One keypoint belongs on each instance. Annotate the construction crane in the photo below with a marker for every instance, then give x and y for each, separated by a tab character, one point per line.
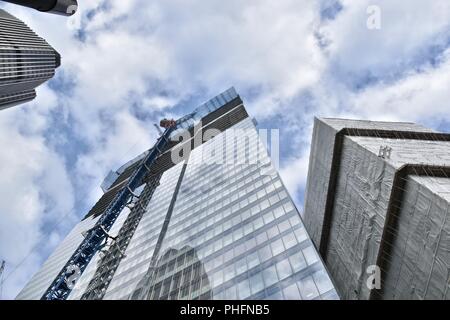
95	238
61	7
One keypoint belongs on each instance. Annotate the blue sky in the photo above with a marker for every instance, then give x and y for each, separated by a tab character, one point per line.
126	64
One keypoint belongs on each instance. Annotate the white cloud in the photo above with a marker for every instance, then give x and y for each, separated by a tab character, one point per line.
294	175
34	186
420	95
407	30
127	139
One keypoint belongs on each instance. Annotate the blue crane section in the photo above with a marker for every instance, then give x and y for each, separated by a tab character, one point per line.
96	237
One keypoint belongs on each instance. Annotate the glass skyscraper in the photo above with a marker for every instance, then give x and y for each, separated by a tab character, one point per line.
219	224
26	61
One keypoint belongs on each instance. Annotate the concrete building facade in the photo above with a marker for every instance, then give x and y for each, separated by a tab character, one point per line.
377	207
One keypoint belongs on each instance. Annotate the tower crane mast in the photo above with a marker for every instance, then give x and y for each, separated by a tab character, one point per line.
62	285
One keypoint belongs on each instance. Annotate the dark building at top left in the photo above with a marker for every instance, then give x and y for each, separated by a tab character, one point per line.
26	60
61	7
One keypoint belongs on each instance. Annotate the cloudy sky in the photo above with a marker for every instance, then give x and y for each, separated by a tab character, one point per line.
128	63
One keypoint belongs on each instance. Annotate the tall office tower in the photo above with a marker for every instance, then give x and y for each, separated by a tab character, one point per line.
216	223
26	61
377	207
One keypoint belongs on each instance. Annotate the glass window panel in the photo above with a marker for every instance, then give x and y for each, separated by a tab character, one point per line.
156	292
165	287
283	226
288	207
246	214
277	247
330	295
310	255
294	220
243	289
308	288
228	239
273	199
301	235
217	245
275	296
289	240
270	276
282	194
250	244
252	260
230	293
187	275
284	269
209	266
268	217
241	266
258	223
261	193
256	283
264	204
218	278
298	262
291	292
238	250
272	232
237	234
322	281
228	255
278	212
219	296
228	273
261	238
265	253
248	228
218	261
255	210
243	203
195	289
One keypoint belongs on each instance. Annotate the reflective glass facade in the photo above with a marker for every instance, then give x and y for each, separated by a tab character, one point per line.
234	232
42	279
139	253
219	225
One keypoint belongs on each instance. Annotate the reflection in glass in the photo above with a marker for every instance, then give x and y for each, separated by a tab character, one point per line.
178	274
